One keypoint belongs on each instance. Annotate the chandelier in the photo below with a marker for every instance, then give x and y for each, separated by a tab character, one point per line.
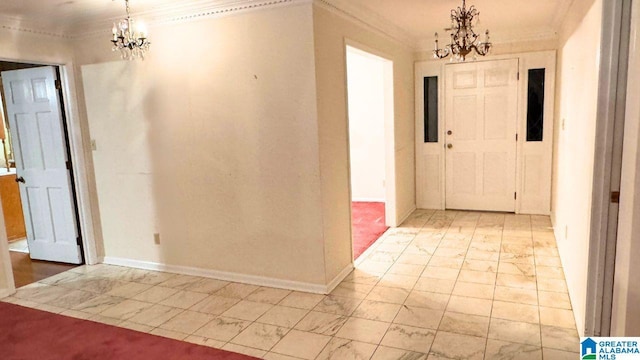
463	39
131	43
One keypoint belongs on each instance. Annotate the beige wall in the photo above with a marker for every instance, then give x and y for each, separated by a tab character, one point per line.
626	294
331	30
574	142
213	145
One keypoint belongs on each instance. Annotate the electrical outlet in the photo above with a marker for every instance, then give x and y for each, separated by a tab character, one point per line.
156	238
94	147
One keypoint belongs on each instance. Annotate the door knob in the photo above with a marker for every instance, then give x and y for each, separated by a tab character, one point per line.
449	146
20	179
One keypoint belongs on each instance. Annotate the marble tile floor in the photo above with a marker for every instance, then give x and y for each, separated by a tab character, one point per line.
444	285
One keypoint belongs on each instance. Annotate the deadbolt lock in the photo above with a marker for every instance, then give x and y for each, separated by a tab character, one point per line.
449	132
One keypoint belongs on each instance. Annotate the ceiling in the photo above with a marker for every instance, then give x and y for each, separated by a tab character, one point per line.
507	20
413	21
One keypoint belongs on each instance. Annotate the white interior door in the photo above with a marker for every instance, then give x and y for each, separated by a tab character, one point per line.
35	119
481	117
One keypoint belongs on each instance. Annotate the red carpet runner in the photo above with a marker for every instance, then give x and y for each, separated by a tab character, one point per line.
368	224
27	334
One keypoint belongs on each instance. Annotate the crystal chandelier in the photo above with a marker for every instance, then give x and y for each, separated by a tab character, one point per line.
463	39
131	43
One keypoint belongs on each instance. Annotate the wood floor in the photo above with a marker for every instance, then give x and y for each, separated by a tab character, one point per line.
27	271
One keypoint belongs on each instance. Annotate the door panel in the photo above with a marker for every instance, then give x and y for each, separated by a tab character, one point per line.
481	113
34	114
464	122
495	117
464	168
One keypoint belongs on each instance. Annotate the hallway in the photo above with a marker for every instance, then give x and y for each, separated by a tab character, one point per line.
444	285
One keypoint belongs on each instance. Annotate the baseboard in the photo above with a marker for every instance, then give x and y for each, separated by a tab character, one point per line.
6	293
338	279
406	216
368	200
227	276
556	232
552	216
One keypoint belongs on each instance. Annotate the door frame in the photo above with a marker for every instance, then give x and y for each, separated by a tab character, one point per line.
626	306
82	170
391	218
430	188
611	141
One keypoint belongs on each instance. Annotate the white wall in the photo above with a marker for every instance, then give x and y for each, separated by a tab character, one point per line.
574	141
365	75
213	145
626	294
331	31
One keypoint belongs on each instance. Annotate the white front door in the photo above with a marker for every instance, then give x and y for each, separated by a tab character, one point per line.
39	144
480	133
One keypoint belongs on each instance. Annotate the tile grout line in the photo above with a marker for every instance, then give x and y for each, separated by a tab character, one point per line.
409	291
486	344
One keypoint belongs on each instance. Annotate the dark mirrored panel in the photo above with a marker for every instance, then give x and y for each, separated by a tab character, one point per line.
431	109
535	105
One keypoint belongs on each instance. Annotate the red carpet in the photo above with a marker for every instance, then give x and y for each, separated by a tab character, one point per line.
27	334
368	224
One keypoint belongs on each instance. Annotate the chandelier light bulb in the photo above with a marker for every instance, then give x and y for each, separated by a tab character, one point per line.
130	41
142	29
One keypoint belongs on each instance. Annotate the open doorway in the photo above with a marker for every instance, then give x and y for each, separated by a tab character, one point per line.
370	103
36	187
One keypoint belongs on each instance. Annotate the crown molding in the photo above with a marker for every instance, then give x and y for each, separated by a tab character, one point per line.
185	11
370	20
30	27
204	9
193	10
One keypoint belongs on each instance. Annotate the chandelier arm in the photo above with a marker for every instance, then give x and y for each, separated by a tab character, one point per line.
483	49
441	53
